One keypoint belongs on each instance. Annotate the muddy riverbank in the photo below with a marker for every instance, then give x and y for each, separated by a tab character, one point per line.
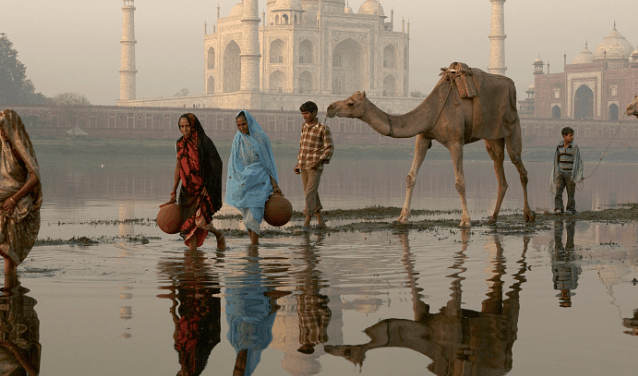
370	219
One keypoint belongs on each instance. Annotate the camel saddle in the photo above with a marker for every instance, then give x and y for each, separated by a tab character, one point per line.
463	79
494	113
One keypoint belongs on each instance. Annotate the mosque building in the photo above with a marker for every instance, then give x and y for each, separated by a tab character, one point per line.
320	50
596	85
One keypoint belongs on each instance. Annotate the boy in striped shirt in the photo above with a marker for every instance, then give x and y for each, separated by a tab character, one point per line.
567	171
315	150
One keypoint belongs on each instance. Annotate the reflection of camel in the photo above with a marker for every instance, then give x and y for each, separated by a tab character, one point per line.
20	348
632	108
459	341
196	310
453	122
631	323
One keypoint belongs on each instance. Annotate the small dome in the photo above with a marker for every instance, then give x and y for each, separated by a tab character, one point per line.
531	87
538	61
348	9
238	10
371	7
585	57
616	46
287	5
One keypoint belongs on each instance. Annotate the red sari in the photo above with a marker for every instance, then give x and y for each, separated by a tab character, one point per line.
195	202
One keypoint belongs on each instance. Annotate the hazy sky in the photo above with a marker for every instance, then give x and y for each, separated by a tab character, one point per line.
74	45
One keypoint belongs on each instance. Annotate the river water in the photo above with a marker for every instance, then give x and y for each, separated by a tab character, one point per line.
402	302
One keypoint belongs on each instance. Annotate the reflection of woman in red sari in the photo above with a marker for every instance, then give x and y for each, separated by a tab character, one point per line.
199	168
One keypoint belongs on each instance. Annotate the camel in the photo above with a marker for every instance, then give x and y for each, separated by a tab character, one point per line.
452	121
632	108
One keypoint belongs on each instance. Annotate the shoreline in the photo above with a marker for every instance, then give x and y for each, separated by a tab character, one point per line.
372	219
125	148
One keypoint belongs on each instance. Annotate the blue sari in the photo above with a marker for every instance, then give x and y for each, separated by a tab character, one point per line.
250	166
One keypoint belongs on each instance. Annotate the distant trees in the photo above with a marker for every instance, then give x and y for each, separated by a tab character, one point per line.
66	103
182	93
14	85
70	99
417	94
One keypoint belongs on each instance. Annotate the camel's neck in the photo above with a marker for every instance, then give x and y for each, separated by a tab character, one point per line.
408	125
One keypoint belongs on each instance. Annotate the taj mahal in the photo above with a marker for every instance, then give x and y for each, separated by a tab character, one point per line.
299	50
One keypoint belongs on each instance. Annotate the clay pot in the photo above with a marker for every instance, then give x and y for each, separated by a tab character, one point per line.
278	210
168	218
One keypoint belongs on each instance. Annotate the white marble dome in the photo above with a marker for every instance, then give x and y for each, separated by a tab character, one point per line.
238	10
616	46
585	57
371	7
531	87
287	5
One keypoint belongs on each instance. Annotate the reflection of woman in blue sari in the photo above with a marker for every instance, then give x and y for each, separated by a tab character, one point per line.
250	311
252	173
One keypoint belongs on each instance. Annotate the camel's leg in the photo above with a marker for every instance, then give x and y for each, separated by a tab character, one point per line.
496	150
456	151
514	144
421	146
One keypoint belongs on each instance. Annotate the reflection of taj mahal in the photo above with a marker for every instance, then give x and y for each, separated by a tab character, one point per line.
596	85
298	50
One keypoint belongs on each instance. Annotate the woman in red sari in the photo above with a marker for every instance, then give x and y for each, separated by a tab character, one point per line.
199	168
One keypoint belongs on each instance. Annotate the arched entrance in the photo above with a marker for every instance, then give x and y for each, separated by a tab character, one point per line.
613	112
232	68
348	66
584	103
389	86
210	85
277	82
305	82
555	112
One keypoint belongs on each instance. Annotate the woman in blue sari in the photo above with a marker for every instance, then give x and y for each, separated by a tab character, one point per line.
252	173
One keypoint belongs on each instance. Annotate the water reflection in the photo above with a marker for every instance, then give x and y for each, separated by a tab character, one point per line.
632	324
312	306
459	341
565	267
196	309
20	348
251	309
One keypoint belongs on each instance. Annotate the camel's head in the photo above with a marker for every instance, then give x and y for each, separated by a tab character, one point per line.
352	107
355	354
632	109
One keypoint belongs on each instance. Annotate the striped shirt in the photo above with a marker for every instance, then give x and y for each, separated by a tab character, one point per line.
566	158
315	145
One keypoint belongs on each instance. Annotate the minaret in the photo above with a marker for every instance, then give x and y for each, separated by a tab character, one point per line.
497	39
127	70
250	56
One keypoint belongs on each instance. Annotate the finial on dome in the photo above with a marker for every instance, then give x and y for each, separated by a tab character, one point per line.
614	24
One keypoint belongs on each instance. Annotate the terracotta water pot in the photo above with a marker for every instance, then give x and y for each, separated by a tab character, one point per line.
168	218
278	210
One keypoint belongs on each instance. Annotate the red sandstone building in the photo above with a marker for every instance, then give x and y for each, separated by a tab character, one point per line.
595	86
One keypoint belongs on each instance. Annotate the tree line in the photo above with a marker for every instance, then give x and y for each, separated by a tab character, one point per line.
16	88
